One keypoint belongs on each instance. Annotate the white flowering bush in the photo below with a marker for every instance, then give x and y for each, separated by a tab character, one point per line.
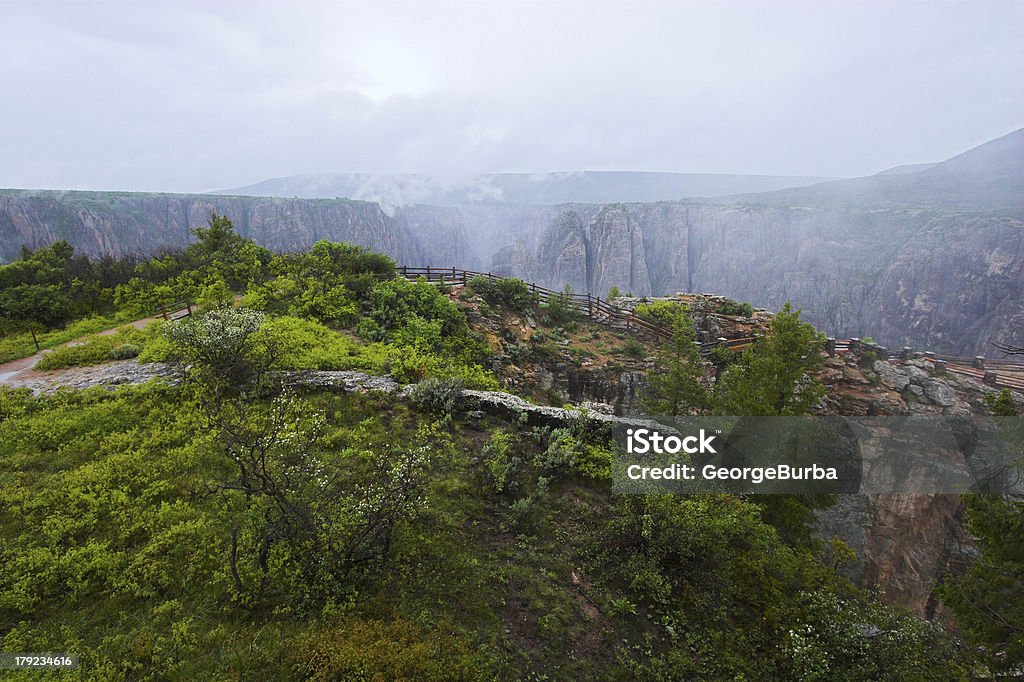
223	344
302	516
845	639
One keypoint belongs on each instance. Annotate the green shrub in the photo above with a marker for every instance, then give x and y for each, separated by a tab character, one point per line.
722	357
92	350
307	344
410	365
594	461
395	650
21	345
560	455
501	460
1001	404
560	309
125	351
394	302
664	313
513	293
521	512
155	346
438	395
841	639
731	307
633	348
214	293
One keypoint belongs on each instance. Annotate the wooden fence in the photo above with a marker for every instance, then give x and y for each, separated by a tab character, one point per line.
1000	373
175	310
593	307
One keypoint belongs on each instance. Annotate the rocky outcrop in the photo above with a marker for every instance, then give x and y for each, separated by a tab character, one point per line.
512	260
108	375
905	544
441	235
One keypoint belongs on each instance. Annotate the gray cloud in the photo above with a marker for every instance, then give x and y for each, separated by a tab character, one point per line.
195	96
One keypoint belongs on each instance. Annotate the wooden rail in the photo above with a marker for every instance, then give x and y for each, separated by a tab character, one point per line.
176	310
594	307
1010	374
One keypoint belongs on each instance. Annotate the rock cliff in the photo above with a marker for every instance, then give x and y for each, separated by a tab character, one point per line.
134	223
933	258
951	282
905	544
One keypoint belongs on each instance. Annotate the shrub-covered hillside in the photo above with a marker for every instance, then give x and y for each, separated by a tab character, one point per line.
235	524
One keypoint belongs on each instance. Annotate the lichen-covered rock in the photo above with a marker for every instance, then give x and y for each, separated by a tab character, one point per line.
110	375
939	392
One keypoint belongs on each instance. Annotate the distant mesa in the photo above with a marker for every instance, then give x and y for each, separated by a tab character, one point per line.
906	169
592	187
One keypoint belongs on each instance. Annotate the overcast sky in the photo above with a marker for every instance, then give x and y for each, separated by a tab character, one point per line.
183	96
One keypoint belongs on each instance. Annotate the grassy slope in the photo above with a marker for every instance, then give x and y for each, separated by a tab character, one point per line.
88	468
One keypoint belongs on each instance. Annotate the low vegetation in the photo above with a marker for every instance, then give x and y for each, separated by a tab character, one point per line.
231	527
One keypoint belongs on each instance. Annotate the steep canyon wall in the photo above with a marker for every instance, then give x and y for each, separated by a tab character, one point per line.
938	279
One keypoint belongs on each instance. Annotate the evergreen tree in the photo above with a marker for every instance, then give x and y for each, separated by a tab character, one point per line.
773	377
676	386
989	598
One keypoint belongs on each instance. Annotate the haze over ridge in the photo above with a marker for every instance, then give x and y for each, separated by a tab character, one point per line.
191	96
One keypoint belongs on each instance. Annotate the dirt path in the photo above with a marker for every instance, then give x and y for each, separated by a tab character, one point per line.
20	373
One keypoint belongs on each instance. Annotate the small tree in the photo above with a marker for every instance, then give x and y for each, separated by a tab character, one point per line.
221	346
220	251
1001	404
773	376
677	386
300	517
32	307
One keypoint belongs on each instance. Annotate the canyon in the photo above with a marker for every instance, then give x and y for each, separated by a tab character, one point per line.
931	258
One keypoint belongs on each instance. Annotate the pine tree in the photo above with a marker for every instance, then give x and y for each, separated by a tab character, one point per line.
677	387
773	377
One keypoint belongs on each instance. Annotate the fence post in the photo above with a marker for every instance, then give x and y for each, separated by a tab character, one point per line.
830	346
979	362
188	304
990	379
940	367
